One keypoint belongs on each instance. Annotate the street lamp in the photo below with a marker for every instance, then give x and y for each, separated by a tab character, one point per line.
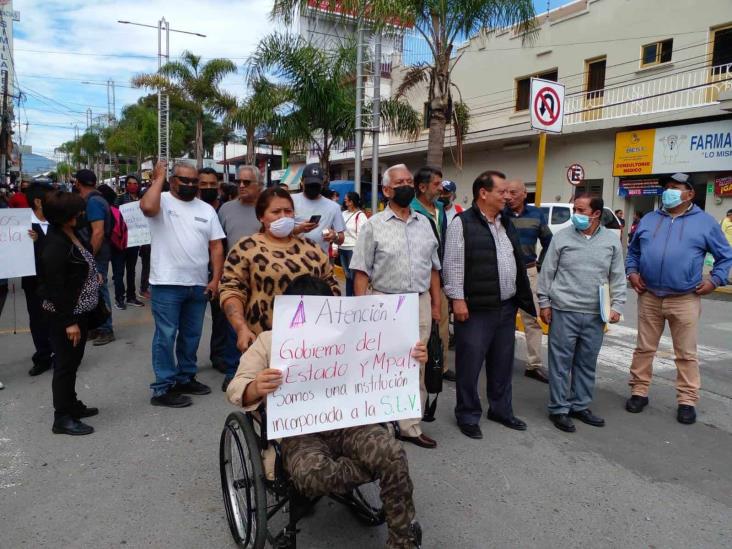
163	98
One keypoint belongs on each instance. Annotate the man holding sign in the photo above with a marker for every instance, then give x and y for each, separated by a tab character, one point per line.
345	447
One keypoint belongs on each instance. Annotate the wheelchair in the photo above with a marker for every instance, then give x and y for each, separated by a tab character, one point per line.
252	500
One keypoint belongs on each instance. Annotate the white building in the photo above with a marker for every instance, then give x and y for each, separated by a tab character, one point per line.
653	75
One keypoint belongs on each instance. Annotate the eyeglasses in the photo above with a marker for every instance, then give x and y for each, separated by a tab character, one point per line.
187	180
244	182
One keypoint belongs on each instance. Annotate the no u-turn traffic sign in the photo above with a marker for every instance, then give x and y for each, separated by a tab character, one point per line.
547	105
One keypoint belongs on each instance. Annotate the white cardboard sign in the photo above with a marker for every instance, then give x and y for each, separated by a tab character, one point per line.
138	231
16	247
346	361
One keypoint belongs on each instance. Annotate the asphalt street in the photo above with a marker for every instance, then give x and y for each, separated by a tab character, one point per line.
149	477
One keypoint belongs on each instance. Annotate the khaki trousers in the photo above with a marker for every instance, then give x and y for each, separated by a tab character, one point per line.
444	328
532	330
410	427
682	313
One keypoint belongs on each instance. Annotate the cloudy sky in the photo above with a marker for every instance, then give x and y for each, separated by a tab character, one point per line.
61	43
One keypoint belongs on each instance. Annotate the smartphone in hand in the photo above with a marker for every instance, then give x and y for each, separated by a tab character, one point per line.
314	219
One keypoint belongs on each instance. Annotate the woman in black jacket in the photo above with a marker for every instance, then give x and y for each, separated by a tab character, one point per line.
69	289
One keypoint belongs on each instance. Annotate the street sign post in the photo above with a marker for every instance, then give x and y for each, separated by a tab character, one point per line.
547	105
575	174
547	113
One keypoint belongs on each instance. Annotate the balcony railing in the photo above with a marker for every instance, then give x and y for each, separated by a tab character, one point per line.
670	92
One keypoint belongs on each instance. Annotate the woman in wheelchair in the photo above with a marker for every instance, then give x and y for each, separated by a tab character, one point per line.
334	462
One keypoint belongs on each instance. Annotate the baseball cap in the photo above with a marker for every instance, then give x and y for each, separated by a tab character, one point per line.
449	186
312	173
86	177
682	178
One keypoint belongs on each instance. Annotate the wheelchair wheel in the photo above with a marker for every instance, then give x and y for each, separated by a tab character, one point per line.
365	503
242	482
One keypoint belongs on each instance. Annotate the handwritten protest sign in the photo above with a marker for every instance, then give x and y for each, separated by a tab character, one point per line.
16	247
138	231
345	362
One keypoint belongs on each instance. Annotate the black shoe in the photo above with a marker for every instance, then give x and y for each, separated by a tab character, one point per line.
686	414
219	367
586	416
92	335
67	425
449	375
119	304
171	400
471	430
40	367
562	422
83	411
512	423
636	403
193	387
415	534
225	384
134	302
103	338
539	374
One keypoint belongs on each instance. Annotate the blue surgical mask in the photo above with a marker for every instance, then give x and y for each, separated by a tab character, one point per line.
580	221
671	198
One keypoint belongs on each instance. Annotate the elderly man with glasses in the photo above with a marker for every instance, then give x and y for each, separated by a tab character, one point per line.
237	217
397	253
186	234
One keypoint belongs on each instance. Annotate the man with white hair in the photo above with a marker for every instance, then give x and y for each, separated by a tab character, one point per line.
397	253
237	217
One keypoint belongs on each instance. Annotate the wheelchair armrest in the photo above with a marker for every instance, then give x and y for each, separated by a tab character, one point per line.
261	418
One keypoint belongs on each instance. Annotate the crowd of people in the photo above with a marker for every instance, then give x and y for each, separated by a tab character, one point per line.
481	266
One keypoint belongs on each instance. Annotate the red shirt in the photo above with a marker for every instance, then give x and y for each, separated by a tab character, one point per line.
18	200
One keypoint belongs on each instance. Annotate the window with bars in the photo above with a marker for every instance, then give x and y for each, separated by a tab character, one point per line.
593	187
523	87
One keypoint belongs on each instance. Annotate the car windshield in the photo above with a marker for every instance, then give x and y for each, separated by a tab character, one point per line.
608	220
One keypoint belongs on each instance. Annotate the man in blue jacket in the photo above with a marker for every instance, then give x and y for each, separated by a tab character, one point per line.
664	266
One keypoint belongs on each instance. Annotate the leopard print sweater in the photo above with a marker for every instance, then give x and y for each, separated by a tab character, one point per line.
259	268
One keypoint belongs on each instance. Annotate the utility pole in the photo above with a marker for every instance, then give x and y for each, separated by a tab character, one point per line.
376	124
163	98
76	143
359	103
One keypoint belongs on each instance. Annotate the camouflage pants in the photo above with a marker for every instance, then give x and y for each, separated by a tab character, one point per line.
338	461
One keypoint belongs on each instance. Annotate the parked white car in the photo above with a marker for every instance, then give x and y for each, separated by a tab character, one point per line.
558	215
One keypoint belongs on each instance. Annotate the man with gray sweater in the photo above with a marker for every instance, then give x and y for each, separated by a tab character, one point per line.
580	260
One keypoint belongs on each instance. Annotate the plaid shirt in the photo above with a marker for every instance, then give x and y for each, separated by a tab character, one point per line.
453	271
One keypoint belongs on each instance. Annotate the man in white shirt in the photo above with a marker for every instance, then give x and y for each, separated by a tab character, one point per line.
184	232
327	227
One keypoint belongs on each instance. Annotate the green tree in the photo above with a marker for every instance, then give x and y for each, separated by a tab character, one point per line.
441	23
320	95
196	84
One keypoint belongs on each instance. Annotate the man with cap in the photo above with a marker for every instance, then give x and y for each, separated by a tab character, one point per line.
664	266
318	218
447	197
532	227
99	225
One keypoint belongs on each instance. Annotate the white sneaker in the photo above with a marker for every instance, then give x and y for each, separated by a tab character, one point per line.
1	385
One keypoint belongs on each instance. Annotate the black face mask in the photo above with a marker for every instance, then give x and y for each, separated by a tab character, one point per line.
187	192
445	200
209	195
312	190
403	195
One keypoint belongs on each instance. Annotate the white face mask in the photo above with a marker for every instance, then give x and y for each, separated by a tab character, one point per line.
283	227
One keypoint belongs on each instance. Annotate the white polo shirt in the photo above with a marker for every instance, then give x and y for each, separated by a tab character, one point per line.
180	233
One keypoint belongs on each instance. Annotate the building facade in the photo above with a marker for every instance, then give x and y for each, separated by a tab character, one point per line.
648	92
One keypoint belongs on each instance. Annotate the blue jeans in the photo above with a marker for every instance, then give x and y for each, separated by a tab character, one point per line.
103	269
118	275
346	256
575	340
178	312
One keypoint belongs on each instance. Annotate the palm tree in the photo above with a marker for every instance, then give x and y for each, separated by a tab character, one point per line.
441	23
320	95
195	83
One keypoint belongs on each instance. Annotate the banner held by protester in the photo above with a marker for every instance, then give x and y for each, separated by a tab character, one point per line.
16	246
345	362
138	231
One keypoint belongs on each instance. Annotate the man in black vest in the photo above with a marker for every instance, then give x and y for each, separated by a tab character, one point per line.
486	279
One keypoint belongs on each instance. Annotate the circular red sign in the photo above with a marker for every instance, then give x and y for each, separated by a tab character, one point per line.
542	100
575	174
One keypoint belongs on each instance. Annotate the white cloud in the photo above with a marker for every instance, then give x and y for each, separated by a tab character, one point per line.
233	29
